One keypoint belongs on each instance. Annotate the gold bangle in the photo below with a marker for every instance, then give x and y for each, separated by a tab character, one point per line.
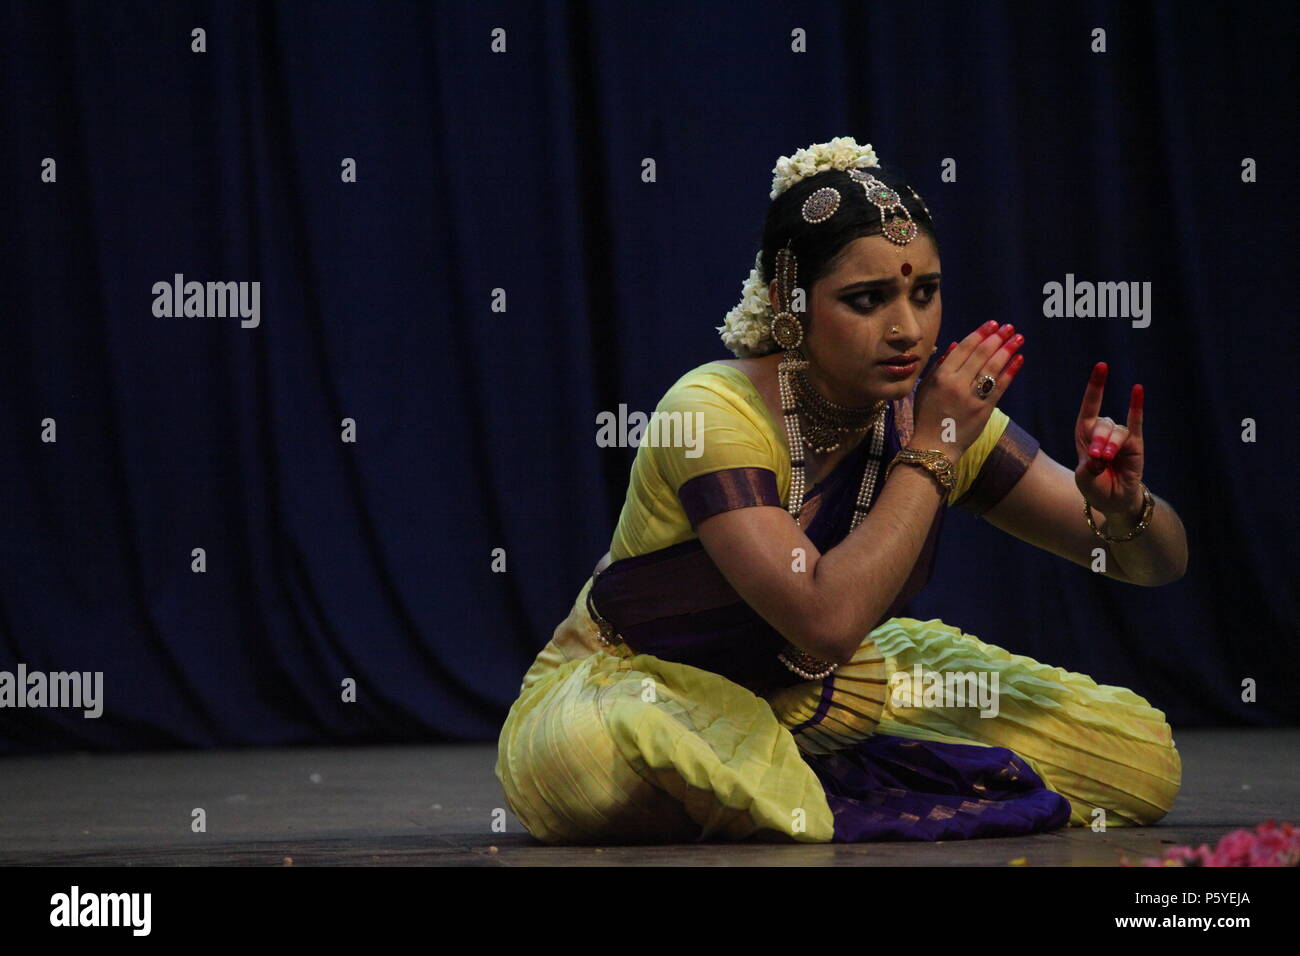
932	460
1148	508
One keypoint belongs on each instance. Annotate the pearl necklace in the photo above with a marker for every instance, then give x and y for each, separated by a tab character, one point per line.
828	424
792	404
799	662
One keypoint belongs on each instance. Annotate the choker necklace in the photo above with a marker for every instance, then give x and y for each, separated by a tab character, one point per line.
828	420
829	424
824	423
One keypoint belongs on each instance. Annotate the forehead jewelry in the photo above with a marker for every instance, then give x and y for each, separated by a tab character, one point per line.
921	202
896	223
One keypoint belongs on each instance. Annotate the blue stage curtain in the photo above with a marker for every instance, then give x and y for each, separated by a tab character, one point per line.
522	171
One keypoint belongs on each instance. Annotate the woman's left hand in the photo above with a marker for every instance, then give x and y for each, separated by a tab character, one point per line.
1109	472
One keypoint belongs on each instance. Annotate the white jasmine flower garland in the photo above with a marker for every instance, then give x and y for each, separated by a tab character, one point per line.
747	329
843	152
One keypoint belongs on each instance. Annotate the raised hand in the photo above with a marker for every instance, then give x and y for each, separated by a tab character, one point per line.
948	391
1109	472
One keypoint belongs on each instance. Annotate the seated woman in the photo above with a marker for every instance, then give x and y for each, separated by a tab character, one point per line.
735	667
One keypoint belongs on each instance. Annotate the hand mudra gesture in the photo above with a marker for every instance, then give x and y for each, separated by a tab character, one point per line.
1109	473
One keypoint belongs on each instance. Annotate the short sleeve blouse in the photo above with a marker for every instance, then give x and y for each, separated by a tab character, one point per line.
712	445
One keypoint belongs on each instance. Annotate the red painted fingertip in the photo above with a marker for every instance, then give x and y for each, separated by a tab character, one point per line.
1139	396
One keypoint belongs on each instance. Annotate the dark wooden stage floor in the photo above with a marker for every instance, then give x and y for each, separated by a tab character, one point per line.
433	805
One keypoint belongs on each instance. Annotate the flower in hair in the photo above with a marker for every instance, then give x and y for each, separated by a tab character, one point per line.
842	152
746	330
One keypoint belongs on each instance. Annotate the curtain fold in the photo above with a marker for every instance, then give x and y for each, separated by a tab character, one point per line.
504	268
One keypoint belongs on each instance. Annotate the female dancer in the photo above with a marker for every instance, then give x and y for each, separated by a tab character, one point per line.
735	667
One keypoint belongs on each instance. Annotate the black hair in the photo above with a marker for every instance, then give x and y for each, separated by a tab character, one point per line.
818	247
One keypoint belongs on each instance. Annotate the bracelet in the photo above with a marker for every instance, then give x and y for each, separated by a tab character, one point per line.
1148	507
805	665
935	462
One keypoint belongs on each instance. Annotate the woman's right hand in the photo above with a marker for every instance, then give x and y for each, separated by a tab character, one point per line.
948	391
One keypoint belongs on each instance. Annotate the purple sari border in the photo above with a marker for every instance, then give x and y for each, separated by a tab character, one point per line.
707	495
896	788
1005	465
823	705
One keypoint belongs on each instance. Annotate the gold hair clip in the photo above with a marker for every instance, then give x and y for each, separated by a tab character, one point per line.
821	205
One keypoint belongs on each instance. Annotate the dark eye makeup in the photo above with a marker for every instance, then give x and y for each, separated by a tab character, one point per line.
867	301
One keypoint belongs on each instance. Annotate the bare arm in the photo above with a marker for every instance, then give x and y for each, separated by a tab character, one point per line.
827	607
1044	508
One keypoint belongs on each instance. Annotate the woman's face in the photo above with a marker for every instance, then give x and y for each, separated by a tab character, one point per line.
880	302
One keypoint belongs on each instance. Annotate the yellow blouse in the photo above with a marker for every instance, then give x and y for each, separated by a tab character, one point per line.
713	418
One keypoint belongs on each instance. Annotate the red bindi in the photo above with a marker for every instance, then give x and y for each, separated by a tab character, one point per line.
907	268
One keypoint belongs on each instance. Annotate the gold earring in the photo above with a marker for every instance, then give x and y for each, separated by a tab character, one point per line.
786	328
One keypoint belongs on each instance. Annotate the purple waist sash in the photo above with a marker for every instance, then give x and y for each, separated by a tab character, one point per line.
676	605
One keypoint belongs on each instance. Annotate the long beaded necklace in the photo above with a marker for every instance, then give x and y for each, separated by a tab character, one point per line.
828	424
826	421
